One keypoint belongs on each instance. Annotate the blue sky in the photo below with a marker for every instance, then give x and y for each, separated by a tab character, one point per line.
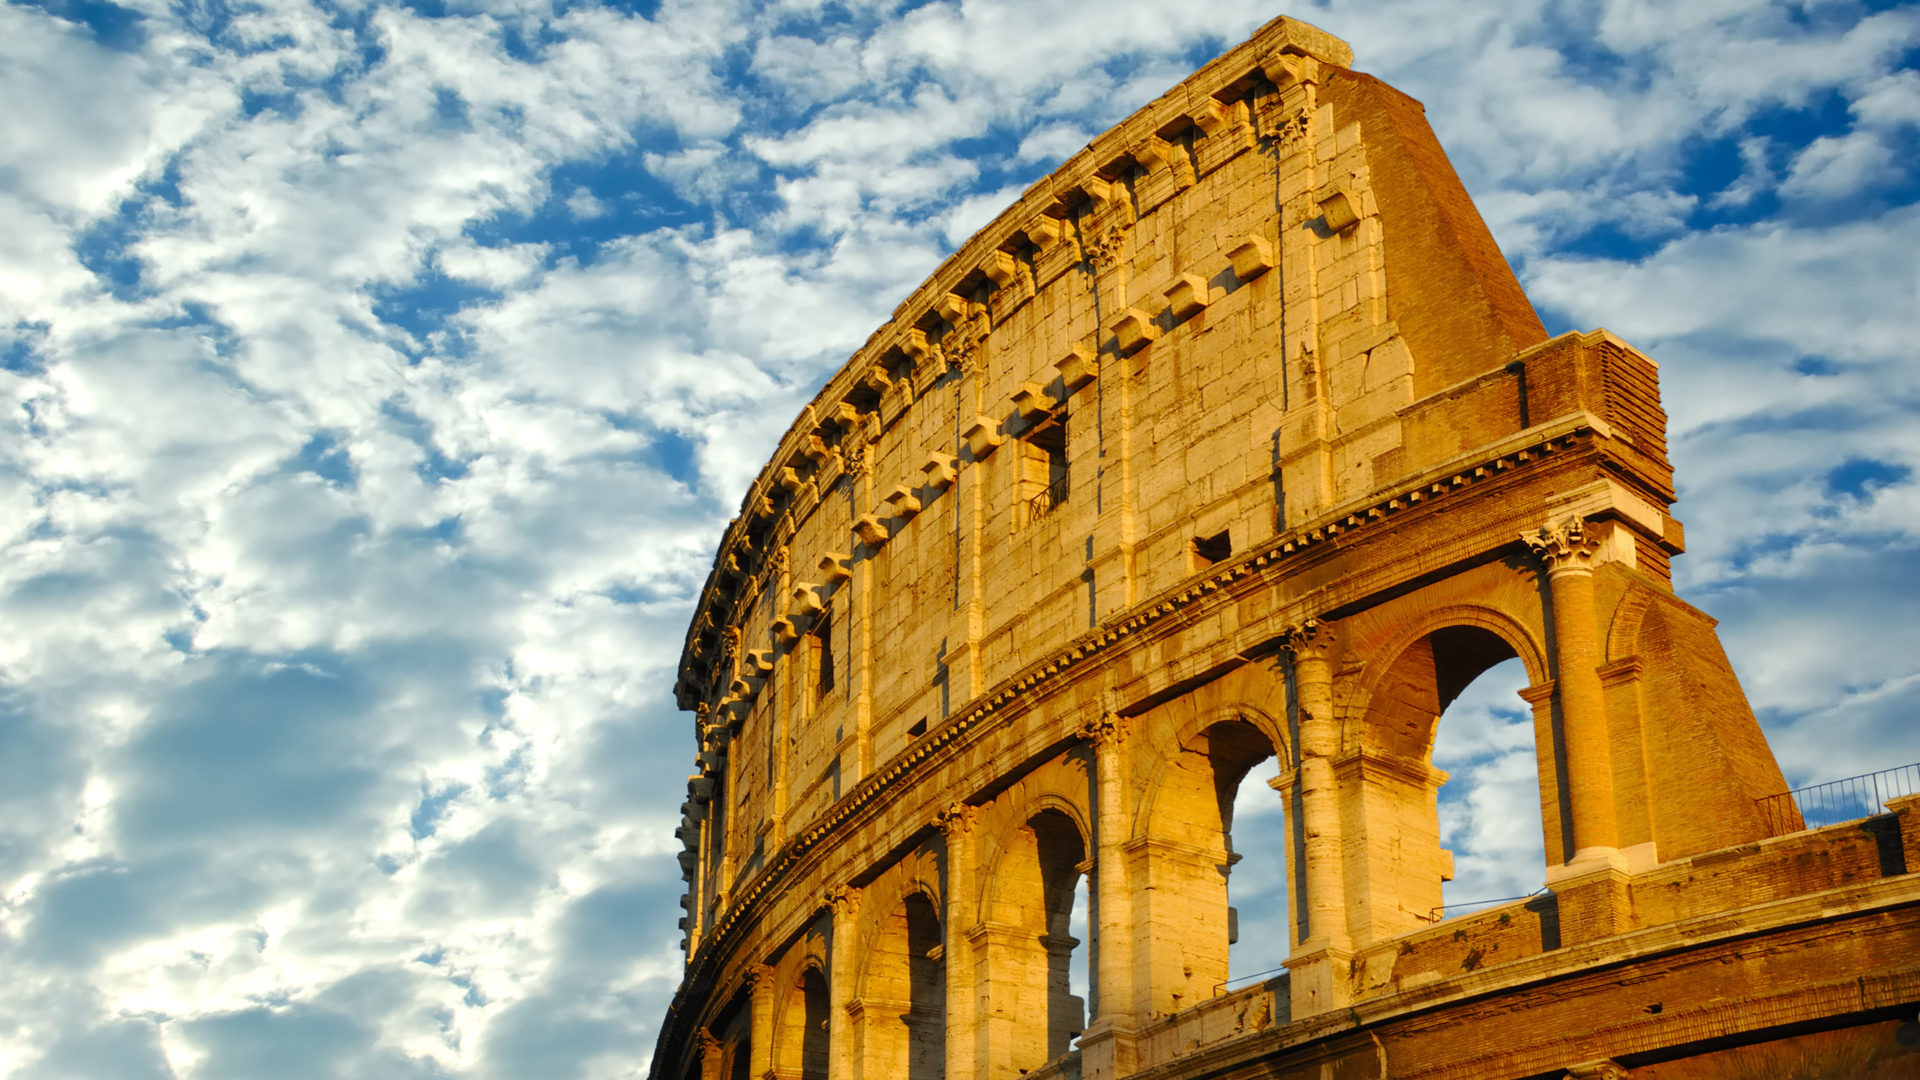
376	381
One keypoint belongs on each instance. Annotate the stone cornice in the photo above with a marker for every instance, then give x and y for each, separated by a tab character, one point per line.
1012	696
851	404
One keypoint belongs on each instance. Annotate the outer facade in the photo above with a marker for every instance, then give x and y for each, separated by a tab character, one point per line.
1236	439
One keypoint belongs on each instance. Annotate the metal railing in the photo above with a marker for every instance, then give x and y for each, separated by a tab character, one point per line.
1051	496
1835	801
1458	906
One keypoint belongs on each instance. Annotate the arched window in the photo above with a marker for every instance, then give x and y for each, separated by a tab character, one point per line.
800	1046
1216	865
1033	1014
1402	864
901	1009
1490	806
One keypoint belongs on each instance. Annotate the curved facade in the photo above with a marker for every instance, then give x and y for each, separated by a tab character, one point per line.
1235	439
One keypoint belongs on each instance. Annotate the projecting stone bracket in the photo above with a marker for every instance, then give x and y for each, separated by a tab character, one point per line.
1186	297
1031	403
982	436
940	470
872	531
1078	368
1251	257
1133	329
834	567
1339	208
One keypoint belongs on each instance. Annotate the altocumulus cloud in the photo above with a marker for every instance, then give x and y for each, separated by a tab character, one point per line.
376	380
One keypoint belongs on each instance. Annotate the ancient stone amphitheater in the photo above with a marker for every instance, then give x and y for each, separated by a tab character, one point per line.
1236	439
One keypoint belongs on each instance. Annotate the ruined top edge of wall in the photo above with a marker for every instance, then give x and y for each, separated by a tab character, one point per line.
1221	80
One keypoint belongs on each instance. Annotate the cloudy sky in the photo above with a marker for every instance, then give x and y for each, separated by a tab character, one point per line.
376	381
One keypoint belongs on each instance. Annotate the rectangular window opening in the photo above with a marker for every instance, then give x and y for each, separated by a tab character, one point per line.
822	647
1208	550
1043	467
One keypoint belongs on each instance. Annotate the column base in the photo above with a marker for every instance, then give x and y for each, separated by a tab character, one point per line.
1319	979
1593	895
1108	1049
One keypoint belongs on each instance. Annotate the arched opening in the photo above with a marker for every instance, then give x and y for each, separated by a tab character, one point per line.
1033	1014
1258	912
814	1003
1216	841
801	1042
927	992
1404	868
902	1007
1062	853
1489	807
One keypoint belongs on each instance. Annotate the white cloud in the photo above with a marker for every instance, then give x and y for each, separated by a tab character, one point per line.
1837	166
352	509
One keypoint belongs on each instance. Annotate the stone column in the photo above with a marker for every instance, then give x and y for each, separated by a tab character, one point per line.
961	916
843	969
1107	1046
713	1056
1324	949
761	991
1567	550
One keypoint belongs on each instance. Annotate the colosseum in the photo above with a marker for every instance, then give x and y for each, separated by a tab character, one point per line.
1235	440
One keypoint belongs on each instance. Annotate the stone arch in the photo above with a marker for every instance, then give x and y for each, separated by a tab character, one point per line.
802	1009
1185	735
899	1002
1623	630
1518	638
1181	848
1386	776
1022	944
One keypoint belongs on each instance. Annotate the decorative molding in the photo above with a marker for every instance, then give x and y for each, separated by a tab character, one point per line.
1107	249
1565	548
1605	1069
1118	632
843	901
1001	268
957	820
1295	132
1104	731
1310	640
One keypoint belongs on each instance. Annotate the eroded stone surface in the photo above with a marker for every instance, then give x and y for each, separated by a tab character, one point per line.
1236	439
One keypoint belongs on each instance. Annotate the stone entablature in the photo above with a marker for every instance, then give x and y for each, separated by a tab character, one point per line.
1234	440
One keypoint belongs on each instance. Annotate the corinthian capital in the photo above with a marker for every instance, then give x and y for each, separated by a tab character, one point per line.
1563	547
958	819
1103	731
843	900
1311	640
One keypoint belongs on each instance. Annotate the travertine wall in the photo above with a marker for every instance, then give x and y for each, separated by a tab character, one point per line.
1235	439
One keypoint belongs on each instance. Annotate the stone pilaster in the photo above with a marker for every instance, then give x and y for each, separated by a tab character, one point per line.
761	994
1567	550
1323	948
1107	1048
957	822
843	970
